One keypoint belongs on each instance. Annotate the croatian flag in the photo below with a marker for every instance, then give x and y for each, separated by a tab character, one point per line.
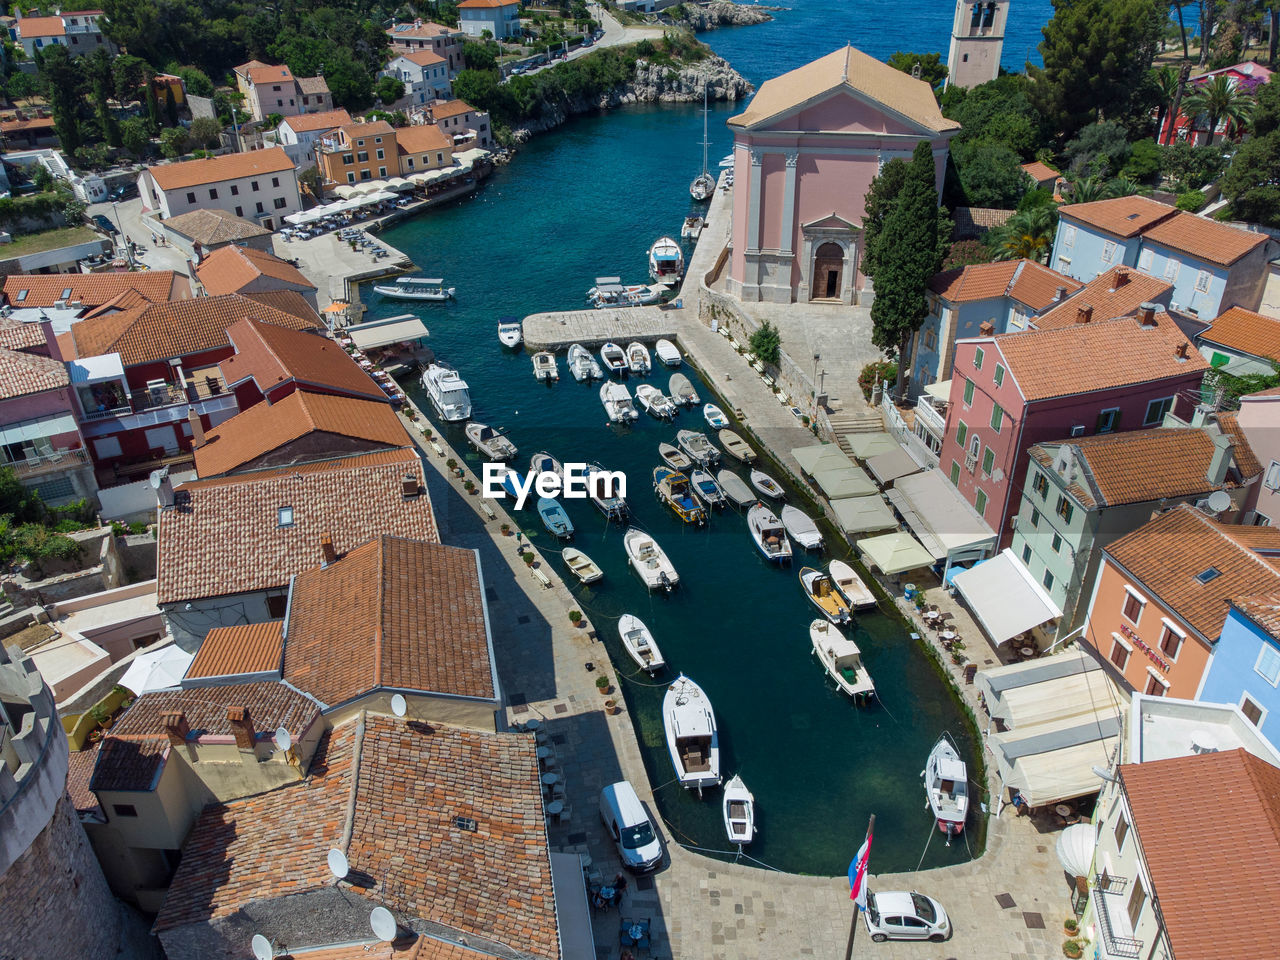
858	874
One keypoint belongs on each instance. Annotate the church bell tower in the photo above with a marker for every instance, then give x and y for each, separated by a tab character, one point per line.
977	41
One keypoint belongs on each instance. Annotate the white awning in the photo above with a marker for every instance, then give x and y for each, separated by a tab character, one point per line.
939	391
1075	848
1059	695
154	670
889	466
383	333
471	156
1051	762
346	192
28	430
862	514
1004	597
998	682
105	366
894	553
399	183
940	516
372	186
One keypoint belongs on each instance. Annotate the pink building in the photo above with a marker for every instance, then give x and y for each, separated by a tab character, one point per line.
1259	418
805	153
1012	391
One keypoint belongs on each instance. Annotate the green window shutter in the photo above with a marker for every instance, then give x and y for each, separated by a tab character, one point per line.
955	473
968	392
988	461
962	431
997	417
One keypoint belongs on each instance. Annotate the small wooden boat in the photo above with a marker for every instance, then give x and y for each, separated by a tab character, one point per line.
415	288
682	391
639	644
603	489
714	416
672	488
543	462
706	488
736	447
823	594
802	529
544	366
850	585
489	442
668	353
510	332
673	458
649	560
767	485
692	739
655	402
767	532
638	361
946	786
583	365
697	446
735	488
581	566
841	658
739	808
617	403
613	358
554	518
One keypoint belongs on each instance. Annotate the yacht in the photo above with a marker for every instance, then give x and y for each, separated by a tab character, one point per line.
447	392
666	260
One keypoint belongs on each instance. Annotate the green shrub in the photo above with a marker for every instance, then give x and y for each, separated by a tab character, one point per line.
884	370
1193	201
766	343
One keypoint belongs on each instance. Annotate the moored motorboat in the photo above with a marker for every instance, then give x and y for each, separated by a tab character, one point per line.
415	288
672	488
692	738
612	292
946	785
543	462
736	447
639	644
693	226
767	485
668	353
490	441
544	366
666	260
583	365
638	361
714	416
512	482
649	560
697	446
605	493
673	457
682	391
823	594
617	403
841	658
769	535
706	488
655	402
739	809
735	488
554	518
850	585
510	332
447	392
582	566
614	359
802	529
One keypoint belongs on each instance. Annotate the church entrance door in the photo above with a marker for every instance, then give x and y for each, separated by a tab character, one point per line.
828	271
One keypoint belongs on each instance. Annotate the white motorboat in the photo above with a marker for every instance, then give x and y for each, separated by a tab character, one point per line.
842	659
714	416
668	353
605	494
544	366
851	586
638	361
946	786
649	560
736	447
613	358
666	260
735	488
739	808
704	184
490	442
447	392
767	485
543	462
581	566
655	402
640	644
415	288
705	486
692	738
697	446
583	365
802	529
769	535
673	457
617	403
612	292
823	594
682	391
510	332
693	227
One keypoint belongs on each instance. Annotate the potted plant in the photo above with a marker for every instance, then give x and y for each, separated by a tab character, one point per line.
1071	926
101	716
527	557
451	463
469	485
506	529
611	707
575	617
602	684
426	431
957	657
1073	949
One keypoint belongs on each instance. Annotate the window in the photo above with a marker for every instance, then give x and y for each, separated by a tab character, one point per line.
1068	234
1035	517
1122	831
235	190
1057	543
253	184
1156	410
382	171
955	472
930	339
1065	509
977	358
1155	685
1144	261
281	203
975	444
347	160
284	516
191	198
1109	420
988	461
124	809
1202	281
1064	264
351	177
363	156
1268	665
1137	900
1252	710
997	418
980	502
1047	580
277	605
1171	269
365	175
1108	251
261	208
1133	605
1208	575
1119	652
1171	640
380	154
1041	485
968	392
1026	553
999	375
239	211
1272	479
213	193
962	431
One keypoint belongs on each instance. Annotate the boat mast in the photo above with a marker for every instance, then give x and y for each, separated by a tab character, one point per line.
704	129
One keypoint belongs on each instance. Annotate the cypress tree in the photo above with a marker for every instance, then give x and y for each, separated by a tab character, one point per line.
878	205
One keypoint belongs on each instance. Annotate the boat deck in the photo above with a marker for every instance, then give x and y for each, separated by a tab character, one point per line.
593	328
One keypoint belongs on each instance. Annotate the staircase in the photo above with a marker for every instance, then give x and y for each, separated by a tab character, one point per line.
844	422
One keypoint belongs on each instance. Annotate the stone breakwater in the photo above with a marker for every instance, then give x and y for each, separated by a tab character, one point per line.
722	13
652	83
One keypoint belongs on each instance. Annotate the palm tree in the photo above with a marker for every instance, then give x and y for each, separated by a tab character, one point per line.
1028	234
1219	100
1166	82
1089	189
1123	186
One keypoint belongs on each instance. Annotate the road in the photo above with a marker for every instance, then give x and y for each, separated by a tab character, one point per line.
614	34
127	215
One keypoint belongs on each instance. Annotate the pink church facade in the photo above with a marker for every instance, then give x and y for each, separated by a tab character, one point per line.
805	153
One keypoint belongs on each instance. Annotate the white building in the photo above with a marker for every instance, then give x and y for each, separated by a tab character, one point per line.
77	30
425	76
298	135
500	17
261	186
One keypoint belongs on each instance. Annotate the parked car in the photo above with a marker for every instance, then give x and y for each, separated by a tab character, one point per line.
630	827
103	223
900	915
126	192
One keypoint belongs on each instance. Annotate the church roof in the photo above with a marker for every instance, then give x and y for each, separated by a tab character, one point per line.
847	68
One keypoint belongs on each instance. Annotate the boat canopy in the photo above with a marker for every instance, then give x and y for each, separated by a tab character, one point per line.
1004	596
820	456
889	466
949	769
863	514
946	523
845	481
867	445
894	553
382	333
419	281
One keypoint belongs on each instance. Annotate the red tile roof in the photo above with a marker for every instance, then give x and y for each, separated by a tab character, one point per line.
375	128
29	28
1247	332
1122	216
308	122
131	764
236	520
231	166
1040	172
422	138
212	227
1224	809
424	30
20	335
486	4
80	765
26	373
1243	453
1026	281
312	85
234	651
1262	610
451	108
270	356
269	74
1204	239
395	613
271	705
424	58
232	268
91	289
1117	293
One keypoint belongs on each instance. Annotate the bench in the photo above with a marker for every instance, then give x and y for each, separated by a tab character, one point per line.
541	577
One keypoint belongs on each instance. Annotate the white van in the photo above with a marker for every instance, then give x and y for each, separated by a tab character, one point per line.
630	827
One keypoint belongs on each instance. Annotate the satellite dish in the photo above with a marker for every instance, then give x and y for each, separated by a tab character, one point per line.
262	948
384	924
282	739
338	865
398	705
1219	501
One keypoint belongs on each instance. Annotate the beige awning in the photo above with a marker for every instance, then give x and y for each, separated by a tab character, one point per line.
894	553
347	191
939	391
371	186
383	333
889	466
399	183
863	514
844	481
820	456
1005	597
866	445
937	513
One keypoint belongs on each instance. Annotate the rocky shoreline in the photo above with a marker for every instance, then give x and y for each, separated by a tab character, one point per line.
724	13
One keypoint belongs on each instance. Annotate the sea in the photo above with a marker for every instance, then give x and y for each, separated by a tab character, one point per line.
587	200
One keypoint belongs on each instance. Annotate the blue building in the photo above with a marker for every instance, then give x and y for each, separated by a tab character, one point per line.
1245	668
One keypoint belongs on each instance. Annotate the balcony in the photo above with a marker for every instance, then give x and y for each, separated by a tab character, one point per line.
931	414
1113	920
204	388
970	462
55	461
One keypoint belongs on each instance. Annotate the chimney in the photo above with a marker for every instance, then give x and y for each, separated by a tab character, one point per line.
197	428
1122	277
241	726
176	727
1181	350
327	551
986	328
409	486
1220	463
1061	294
1084	313
163	487
1147	315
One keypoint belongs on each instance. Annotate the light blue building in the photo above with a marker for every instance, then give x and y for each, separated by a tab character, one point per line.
1245	668
500	17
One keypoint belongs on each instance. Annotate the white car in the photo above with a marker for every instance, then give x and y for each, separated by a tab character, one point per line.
899	915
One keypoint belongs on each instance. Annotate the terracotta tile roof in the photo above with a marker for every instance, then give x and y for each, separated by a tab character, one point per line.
80	765
213	227
424	30
29	28
312	85
125	301
395	613
1246	331
415	948
1263	610
864	76
236	443
133	763
1226	807
1026	281
270	356
1168	552
231	166
423	138
32	123
486	4
1037	285
1204	239
270	704
244	68
451	108
91	289
162	331
1245	458
378	128
424	58
232	268
269	74
1040	172
224	537
18	335
308	122
972	222
1096	356
25	373
233	651
1121	216
1107	298
1261	394
291	302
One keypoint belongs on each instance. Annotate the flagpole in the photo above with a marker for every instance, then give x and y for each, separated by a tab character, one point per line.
853	920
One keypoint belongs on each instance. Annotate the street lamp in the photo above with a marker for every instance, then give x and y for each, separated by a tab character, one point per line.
814	381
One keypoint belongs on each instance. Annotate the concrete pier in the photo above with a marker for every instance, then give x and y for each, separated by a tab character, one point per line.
593	328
